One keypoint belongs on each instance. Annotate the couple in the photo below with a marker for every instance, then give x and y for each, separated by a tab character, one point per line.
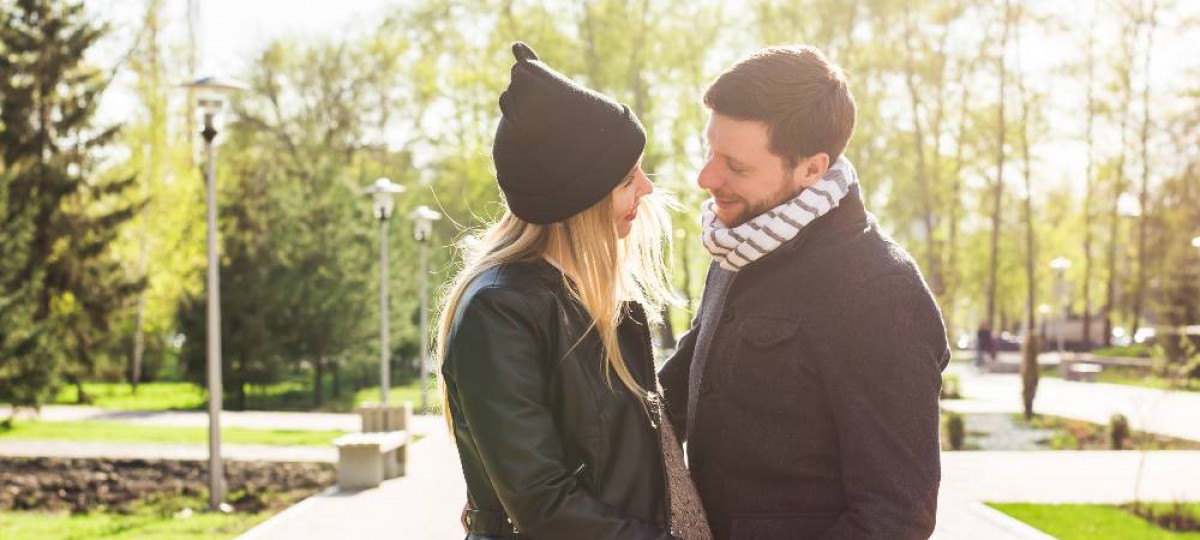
806	389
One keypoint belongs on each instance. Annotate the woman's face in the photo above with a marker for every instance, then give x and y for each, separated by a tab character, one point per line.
627	196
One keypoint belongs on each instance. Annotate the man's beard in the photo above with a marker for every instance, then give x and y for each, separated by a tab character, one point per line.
761	207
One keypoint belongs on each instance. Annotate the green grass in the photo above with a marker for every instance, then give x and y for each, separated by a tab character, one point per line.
1135	377
109	431
1089	521
294	395
156	396
63	526
147	521
410	393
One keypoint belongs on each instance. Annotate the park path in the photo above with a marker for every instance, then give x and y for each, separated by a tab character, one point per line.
1173	413
425	504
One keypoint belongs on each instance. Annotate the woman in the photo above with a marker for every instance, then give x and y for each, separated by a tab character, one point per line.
544	337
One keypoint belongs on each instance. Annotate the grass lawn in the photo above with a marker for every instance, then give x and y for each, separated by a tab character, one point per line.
147	521
1134	377
156	396
103	431
283	396
1090	522
410	393
63	526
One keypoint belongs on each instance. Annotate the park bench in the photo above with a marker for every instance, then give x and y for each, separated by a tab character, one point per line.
367	459
1079	371
380	451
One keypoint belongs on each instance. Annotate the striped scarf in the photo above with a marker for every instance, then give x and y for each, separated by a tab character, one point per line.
735	248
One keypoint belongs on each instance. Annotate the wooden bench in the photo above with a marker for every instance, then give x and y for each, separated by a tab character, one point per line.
367	459
1079	371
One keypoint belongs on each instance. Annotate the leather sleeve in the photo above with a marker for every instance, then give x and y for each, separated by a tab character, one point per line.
497	361
674	380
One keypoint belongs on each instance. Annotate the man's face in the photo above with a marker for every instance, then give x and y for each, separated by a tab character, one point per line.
744	177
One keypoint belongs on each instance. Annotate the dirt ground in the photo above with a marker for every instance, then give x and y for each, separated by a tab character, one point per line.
85	485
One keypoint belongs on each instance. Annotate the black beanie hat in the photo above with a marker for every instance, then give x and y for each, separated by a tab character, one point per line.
560	148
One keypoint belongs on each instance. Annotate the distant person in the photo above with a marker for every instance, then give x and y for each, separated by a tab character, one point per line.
544	339
984	345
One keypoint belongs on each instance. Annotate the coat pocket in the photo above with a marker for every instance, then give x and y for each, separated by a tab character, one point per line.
782	527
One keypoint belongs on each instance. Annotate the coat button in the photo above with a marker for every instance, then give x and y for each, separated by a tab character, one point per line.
727	315
705	387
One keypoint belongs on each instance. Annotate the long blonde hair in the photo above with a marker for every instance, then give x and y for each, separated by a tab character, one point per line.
607	271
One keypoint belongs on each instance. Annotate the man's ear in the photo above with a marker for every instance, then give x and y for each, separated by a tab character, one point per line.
809	170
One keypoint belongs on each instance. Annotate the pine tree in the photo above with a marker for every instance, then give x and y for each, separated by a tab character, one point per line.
59	277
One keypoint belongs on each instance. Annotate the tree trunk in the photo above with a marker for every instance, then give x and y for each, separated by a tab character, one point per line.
1144	193
1129	38
928	219
335	366
998	187
318	381
1089	184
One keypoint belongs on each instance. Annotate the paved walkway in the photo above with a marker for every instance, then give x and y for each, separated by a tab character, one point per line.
1174	413
425	504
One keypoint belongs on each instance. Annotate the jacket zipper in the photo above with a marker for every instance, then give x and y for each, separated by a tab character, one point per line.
648	349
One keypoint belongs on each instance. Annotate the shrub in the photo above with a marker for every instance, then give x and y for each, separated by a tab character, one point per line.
951	387
956	430
1118	430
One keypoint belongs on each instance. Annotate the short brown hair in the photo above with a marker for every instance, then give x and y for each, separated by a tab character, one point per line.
800	95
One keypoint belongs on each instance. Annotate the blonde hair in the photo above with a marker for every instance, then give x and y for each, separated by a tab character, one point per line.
607	271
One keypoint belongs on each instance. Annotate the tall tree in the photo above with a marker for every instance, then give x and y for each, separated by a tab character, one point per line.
49	148
1089	181
1148	19
998	183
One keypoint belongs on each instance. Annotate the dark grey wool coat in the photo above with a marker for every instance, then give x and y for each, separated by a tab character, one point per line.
817	412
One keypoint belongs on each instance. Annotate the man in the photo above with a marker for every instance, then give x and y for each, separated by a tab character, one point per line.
807	388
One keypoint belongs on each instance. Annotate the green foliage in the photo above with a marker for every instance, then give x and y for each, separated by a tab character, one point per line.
1133	350
411	94
951	387
62	287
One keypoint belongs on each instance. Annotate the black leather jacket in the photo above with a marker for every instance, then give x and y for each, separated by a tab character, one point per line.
548	449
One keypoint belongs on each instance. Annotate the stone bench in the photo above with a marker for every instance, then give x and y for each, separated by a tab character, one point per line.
1079	371
367	459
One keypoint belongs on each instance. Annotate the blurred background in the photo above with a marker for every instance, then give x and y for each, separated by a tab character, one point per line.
994	138
1040	160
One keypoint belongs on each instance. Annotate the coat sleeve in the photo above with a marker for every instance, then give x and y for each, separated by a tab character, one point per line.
674	377
496	362
883	392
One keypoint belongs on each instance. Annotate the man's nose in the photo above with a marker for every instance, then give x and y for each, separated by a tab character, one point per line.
708	178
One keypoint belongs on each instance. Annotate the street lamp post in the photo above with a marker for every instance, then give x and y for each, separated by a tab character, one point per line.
1060	266
383	193
211	94
423	218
